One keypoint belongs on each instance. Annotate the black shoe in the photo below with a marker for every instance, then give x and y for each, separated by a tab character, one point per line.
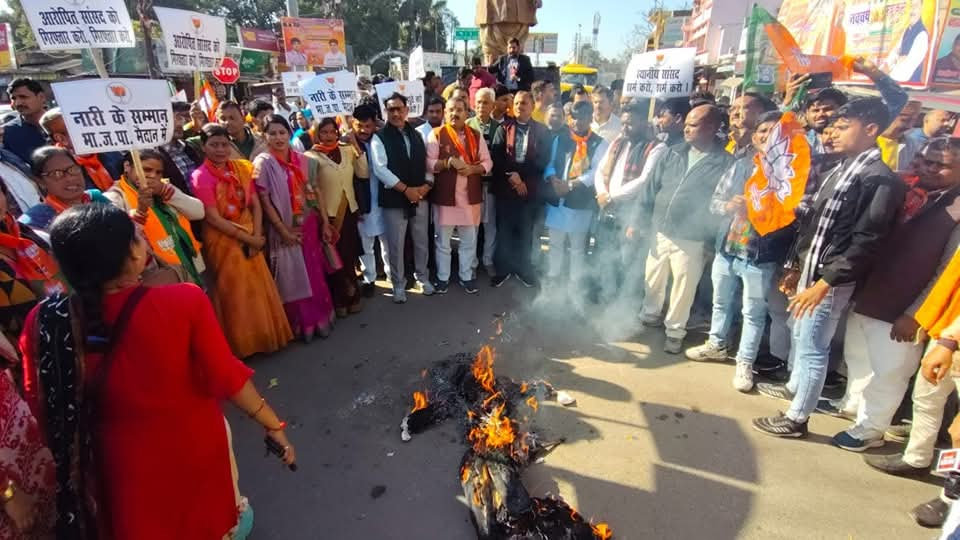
767	363
834	380
368	290
469	286
527	281
931	514
780	426
497	281
894	464
441	287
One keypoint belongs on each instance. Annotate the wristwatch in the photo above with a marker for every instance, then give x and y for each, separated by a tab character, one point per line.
948	343
9	492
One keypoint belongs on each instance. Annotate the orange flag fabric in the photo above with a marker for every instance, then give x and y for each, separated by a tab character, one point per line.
779	177
208	101
799	62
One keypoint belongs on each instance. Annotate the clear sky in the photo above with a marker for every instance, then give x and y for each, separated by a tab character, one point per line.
617	18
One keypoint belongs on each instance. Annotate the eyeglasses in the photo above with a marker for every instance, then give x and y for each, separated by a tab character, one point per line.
60	173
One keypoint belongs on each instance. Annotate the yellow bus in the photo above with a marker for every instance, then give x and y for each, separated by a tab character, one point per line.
573	74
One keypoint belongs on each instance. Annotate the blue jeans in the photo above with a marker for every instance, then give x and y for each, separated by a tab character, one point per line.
811	351
727	272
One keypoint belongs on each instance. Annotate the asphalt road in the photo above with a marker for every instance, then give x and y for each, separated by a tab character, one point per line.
657	446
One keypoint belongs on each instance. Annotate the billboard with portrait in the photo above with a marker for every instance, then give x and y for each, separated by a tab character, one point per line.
946	67
311	43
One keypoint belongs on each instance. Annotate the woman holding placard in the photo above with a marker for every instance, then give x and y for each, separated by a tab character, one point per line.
289	200
243	292
61	178
335	166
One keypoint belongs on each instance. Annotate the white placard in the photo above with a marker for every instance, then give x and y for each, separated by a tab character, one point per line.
292	79
195	42
413	90
662	73
417	68
330	94
104	115
79	24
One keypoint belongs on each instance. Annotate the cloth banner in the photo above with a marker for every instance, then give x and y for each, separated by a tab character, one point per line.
779	177
79	24
663	73
195	42
104	115
413	90
330	94
795	59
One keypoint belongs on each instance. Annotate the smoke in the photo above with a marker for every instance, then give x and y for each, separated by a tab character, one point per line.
606	295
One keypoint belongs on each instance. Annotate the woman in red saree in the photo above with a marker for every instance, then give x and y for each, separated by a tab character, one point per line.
244	294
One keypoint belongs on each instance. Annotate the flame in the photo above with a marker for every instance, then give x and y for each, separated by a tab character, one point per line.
489	399
523	388
496	431
532	402
419	401
602	531
483	369
464	474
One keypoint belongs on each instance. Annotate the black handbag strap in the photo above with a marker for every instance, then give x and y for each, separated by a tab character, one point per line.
123	319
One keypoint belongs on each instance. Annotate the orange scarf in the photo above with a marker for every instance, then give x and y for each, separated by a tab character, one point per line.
942	305
30	261
59	206
581	161
469	154
235	194
326	148
95	169
296	180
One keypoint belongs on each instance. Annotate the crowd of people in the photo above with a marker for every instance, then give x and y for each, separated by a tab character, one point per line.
262	225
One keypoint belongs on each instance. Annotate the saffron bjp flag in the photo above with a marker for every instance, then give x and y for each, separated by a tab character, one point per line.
779	178
795	59
208	101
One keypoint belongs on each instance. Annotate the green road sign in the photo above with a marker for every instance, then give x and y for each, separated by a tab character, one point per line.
466	34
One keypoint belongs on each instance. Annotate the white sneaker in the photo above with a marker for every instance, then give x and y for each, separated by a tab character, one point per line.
426	287
708	352
743	378
399	295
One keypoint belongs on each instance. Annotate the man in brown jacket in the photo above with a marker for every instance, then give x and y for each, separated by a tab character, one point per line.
457	158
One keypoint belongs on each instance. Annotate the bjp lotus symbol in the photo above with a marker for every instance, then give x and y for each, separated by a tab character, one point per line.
119	93
331	80
660	58
197	22
402	88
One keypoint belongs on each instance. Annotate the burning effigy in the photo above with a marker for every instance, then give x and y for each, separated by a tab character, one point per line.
492	412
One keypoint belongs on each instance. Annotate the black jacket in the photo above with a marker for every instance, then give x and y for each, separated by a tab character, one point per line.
530	171
868	212
675	201
410	169
500	68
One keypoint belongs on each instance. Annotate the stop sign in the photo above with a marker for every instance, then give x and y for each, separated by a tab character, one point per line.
228	72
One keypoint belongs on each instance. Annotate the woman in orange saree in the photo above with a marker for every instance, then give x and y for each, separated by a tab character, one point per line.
244	294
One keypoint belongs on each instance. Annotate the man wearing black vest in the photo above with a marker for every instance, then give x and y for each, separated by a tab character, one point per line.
520	151
400	163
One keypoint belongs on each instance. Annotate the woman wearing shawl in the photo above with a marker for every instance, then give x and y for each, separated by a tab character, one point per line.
243	292
132	410
27	476
163	211
295	252
335	166
27	272
61	178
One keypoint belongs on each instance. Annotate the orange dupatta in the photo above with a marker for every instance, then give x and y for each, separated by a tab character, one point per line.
235	195
470	153
580	162
97	172
296	180
29	260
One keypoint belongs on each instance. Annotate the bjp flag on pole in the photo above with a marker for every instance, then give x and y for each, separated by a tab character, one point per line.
796	60
208	101
779	178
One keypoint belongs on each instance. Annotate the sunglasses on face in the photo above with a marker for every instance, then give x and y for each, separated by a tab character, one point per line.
60	173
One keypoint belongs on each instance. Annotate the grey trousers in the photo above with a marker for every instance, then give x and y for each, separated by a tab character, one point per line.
395	222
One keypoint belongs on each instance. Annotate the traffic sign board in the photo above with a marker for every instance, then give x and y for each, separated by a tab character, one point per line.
469	33
228	72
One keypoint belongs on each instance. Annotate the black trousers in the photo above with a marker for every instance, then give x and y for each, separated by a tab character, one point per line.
514	237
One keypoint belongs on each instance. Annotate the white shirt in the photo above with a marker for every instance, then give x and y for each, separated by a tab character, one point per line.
295	58
621	187
336	59
609	130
